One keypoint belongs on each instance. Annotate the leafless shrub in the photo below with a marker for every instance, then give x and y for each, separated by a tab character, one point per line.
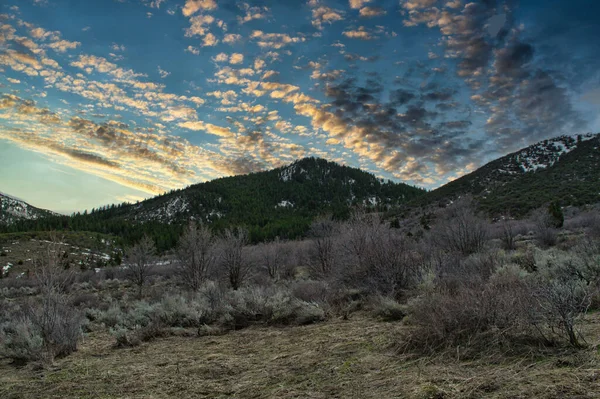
311	291
546	233
587	257
50	272
42	332
591	221
564	288
324	252
460	229
140	260
487	300
274	258
391	265
508	234
233	257
376	257
52	327
472	316
387	309
196	255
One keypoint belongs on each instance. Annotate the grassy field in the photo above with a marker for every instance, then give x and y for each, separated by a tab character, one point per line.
336	359
20	250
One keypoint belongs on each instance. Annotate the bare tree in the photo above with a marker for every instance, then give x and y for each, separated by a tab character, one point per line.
508	234
196	254
56	322
545	227
392	265
461	229
563	297
323	252
358	235
50	271
140	259
233	259
273	257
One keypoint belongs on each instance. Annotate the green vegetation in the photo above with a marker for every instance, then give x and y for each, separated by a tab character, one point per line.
502	187
276	203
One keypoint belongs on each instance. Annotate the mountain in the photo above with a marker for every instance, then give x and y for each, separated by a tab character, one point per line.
284	201
13	209
564	169
279	202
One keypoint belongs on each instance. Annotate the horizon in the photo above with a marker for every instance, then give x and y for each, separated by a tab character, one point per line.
176	93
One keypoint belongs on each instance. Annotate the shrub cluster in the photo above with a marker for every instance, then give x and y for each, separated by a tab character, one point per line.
209	306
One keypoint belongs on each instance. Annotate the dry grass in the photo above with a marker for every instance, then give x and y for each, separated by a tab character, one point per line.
336	359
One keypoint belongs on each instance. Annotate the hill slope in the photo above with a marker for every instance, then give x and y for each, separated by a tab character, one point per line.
564	169
13	210
279	202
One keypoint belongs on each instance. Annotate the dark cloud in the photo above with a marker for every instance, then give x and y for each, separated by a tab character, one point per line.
400	97
512	59
114	135
441	95
89	157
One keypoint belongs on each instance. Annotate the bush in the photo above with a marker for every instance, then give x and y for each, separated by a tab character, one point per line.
42	332
21	341
140	260
487	304
233	259
130	338
546	228
387	309
324	251
196	255
209	308
461	229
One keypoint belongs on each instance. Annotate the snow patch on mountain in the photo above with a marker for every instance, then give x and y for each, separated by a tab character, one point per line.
167	212
546	153
285	204
13	209
290	171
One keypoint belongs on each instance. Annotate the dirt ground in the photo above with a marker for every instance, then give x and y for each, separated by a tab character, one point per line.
335	359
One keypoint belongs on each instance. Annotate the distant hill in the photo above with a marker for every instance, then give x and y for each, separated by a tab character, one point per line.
284	201
279	202
564	169
13	209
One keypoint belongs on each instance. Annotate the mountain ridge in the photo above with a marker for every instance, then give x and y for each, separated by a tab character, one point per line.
13	209
505	181
278	202
282	202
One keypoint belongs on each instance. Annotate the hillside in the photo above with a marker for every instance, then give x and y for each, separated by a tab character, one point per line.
13	210
279	202
564	169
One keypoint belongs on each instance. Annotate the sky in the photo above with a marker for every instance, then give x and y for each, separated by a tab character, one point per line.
108	101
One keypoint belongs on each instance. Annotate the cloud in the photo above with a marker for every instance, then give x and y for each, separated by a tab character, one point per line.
371	12
207	127
193	50
356	4
199	25
236	58
274	40
62	46
209	40
252	13
163	74
360	33
118	47
193	6
324	15
231	38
